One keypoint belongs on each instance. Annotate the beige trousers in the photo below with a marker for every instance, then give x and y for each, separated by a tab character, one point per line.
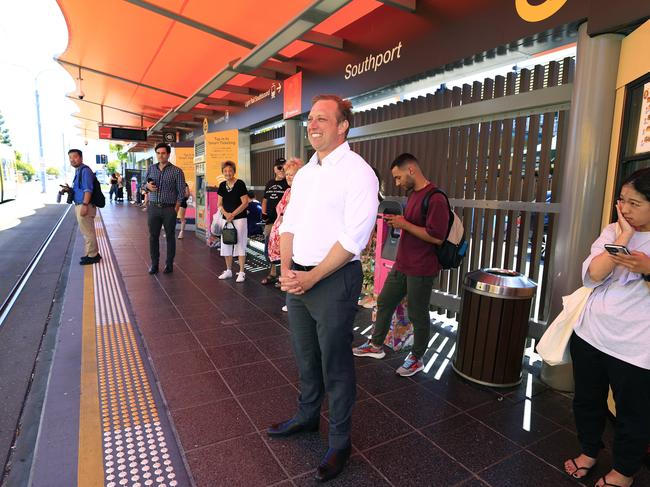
87	228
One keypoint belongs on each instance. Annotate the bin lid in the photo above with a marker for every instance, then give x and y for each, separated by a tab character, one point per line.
501	282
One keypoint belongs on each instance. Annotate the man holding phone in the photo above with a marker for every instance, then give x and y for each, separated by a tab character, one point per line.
166	186
416	264
82	192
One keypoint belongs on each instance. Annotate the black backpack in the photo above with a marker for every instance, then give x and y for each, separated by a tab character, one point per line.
454	247
98	199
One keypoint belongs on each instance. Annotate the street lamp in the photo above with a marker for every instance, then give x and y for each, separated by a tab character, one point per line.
38	121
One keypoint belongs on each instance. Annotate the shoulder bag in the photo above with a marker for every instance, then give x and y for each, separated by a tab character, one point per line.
229	234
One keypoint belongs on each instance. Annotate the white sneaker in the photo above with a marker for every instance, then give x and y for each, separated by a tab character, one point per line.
227	274
241	277
284	308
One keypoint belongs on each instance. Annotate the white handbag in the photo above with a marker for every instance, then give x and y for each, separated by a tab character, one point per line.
217	223
553	347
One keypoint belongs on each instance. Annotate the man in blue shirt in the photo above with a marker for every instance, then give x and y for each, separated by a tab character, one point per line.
254	215
82	192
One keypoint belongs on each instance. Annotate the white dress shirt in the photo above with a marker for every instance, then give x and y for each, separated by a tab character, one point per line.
334	201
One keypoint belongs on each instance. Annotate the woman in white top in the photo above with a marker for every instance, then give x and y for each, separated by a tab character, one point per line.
610	346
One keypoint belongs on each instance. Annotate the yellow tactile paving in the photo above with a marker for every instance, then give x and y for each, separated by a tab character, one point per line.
90	469
120	409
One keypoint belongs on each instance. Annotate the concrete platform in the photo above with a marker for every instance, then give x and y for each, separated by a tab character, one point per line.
217	361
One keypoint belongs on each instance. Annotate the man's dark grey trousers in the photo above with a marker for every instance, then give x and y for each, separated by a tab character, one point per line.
157	218
321	322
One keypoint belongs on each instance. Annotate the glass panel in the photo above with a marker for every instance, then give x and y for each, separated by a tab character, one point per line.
634	114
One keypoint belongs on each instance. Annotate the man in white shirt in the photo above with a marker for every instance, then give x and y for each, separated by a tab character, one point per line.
324	230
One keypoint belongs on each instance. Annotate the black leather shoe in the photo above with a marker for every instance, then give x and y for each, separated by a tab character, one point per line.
168	269
332	464
290	427
153	269
85	260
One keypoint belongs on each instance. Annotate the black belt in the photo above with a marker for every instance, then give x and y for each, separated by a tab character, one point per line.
307	268
304	268
162	205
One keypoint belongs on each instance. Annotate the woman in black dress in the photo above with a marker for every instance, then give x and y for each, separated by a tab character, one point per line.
233	202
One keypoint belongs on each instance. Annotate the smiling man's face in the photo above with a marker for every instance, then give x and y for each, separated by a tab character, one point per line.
324	129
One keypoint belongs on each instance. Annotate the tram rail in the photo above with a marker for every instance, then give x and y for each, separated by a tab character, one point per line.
14	292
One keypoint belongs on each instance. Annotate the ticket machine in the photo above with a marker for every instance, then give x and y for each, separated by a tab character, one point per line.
387	241
202	225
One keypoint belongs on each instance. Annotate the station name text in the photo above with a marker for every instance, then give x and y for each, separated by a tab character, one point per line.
373	62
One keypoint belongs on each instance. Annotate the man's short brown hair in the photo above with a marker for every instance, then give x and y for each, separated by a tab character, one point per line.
344	107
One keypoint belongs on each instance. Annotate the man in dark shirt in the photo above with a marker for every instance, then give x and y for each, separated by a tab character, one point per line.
273	193
254	215
416	264
166	186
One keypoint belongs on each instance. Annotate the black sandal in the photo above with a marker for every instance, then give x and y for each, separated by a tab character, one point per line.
268	280
577	469
607	484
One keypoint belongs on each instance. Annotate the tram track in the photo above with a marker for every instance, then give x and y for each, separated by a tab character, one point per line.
10	299
27	339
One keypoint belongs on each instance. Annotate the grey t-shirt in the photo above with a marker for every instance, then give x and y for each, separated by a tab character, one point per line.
616	318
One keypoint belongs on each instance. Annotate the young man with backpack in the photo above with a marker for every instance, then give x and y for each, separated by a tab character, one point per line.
83	189
425	226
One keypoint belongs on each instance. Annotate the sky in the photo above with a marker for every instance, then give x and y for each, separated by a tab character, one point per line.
32	33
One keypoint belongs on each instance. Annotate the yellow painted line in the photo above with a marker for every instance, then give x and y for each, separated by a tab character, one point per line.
90	468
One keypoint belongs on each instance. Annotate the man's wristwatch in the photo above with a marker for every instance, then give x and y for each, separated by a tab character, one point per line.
646	277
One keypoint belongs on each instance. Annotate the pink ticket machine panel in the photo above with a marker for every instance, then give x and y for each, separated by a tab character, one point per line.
387	241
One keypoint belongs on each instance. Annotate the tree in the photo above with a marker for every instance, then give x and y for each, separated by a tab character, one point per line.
118	150
26	169
53	171
4	133
112	167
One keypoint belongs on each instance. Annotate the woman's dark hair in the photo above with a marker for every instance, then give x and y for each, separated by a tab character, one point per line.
640	181
229	164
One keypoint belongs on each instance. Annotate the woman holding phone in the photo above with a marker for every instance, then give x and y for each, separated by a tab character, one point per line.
610	346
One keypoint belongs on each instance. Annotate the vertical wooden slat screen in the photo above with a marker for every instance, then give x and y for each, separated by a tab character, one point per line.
507	160
262	165
274	133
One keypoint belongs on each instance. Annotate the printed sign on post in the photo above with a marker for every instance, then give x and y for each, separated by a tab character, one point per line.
219	147
293	96
185	161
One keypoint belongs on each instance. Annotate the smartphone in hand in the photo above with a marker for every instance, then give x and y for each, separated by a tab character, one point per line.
617	249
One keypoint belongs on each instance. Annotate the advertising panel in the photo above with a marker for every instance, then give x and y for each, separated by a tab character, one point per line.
185	160
643	136
219	147
293	96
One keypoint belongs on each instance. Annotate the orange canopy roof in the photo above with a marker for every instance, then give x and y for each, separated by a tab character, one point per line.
140	59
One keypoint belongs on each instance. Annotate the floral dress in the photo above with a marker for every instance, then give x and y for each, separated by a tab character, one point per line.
274	237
